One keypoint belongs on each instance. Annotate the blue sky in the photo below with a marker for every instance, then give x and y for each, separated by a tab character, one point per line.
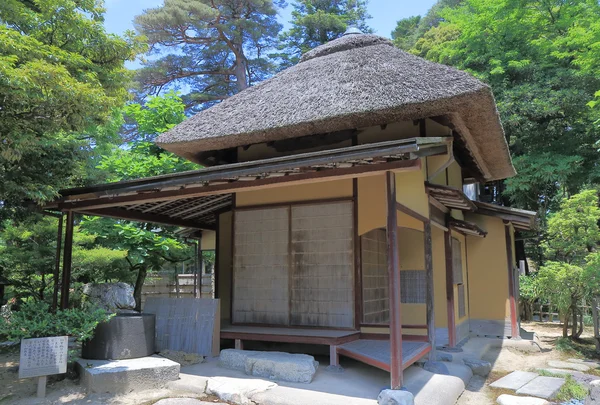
385	13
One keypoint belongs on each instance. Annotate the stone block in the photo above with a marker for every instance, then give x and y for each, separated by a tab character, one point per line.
441	356
593	397
514	380
542	387
235	359
110	296
299	368
505	399
395	397
479	367
121	376
569	365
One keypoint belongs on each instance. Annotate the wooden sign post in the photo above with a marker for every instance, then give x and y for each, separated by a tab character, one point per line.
42	357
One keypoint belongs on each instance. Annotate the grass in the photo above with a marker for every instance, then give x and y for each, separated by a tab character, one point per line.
571	389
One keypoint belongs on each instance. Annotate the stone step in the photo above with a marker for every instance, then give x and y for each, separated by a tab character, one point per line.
514	380
542	387
121	376
568	365
506	399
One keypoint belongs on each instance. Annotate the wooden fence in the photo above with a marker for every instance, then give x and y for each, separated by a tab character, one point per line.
169	285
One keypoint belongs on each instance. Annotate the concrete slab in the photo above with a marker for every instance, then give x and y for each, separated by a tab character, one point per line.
542	387
120	376
514	380
569	365
505	399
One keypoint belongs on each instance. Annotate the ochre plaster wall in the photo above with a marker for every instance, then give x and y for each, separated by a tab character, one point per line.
208	240
488	279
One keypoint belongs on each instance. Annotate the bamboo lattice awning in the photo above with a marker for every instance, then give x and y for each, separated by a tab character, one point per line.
191	199
467	228
522	220
450	197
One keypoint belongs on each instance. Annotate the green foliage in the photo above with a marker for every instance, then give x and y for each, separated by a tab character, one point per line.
573	230
528	288
317	22
571	389
61	74
34	320
562	283
27	257
213	47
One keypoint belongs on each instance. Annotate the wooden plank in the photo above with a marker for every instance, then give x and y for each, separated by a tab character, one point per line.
67	261
297	338
514	326
430	296
396	372
56	266
410	212
141	217
450	289
261	184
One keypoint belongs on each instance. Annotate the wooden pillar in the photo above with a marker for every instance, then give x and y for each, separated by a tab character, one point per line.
57	263
429	297
514	326
198	270
334	357
66	275
393	262
450	289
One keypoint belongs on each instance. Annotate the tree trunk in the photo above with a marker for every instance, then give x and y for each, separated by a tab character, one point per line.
137	291
241	68
574	324
566	324
596	323
580	328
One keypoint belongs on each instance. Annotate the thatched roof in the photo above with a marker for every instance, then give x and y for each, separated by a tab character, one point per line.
355	81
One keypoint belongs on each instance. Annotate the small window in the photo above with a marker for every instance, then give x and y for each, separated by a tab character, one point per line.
457	273
412	286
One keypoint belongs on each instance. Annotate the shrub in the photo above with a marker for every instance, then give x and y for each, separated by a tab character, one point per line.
35	320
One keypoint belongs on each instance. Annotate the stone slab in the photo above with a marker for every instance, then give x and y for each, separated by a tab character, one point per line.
569	365
542	387
514	380
121	376
506	399
236	390
587	362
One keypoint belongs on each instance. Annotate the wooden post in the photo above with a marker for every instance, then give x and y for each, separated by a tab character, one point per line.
66	275
41	386
514	327
199	269
450	289
57	263
334	357
429	297
393	263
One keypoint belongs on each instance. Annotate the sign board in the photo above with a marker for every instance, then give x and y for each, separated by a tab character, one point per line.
43	356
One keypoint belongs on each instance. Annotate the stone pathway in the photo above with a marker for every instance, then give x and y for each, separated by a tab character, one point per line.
534	389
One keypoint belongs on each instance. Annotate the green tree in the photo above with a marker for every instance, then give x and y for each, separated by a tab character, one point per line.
215	48
61	75
316	22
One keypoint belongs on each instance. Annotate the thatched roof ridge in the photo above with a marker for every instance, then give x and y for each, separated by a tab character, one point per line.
352	82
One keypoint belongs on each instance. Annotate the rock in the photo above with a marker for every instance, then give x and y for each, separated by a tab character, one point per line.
568	365
436	367
334	369
587	362
110	296
299	368
235	390
578	376
593	397
505	399
395	397
514	380
479	367
542	387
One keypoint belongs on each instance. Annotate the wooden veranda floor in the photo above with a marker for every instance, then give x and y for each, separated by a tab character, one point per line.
377	352
288	335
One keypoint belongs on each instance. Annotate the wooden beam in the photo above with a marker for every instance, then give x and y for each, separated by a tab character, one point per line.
393	264
67	262
429	297
450	289
358	300
514	326
142	217
410	212
56	264
295	179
